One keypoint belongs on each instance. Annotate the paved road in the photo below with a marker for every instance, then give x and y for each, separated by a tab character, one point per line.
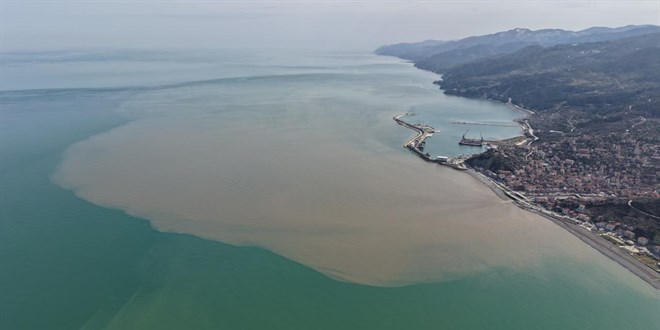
602	245
614	252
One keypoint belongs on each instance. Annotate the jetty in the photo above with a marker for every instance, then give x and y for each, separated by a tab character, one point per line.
416	143
483	124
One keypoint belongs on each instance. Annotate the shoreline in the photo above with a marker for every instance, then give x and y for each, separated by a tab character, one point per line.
516	107
598	243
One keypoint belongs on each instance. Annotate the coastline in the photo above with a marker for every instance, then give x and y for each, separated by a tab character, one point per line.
516	107
598	243
601	245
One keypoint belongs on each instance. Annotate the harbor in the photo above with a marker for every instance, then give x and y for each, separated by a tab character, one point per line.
417	143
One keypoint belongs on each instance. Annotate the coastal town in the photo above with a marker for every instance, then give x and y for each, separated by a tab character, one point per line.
595	181
597	166
590	151
575	180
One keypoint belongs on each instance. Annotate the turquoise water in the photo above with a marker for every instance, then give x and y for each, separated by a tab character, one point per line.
67	263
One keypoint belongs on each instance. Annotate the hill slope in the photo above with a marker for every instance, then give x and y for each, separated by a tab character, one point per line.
438	56
602	76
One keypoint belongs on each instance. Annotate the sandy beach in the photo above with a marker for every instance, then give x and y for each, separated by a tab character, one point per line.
598	243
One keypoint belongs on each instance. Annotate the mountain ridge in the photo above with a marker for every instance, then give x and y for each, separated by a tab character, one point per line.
597	75
439	56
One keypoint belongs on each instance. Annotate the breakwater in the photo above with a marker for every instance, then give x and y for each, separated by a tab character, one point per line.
416	143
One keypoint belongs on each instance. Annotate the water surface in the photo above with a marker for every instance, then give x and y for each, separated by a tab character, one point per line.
331	223
304	164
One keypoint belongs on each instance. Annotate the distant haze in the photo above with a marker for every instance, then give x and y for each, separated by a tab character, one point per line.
295	25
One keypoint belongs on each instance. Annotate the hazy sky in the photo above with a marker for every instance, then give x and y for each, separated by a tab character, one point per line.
341	25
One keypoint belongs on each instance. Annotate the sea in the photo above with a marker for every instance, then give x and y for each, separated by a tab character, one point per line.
270	190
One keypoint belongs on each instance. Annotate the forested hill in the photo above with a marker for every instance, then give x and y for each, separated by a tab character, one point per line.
604	76
439	56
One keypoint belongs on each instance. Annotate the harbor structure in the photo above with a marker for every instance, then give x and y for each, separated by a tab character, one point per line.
416	144
471	142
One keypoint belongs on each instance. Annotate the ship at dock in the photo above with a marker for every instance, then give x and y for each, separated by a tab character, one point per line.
471	142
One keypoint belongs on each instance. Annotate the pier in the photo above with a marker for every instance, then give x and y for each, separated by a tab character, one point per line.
416	143
482	124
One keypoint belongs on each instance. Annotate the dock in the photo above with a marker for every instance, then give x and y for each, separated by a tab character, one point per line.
483	124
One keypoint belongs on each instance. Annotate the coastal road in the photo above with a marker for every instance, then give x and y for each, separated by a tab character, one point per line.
600	244
612	251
